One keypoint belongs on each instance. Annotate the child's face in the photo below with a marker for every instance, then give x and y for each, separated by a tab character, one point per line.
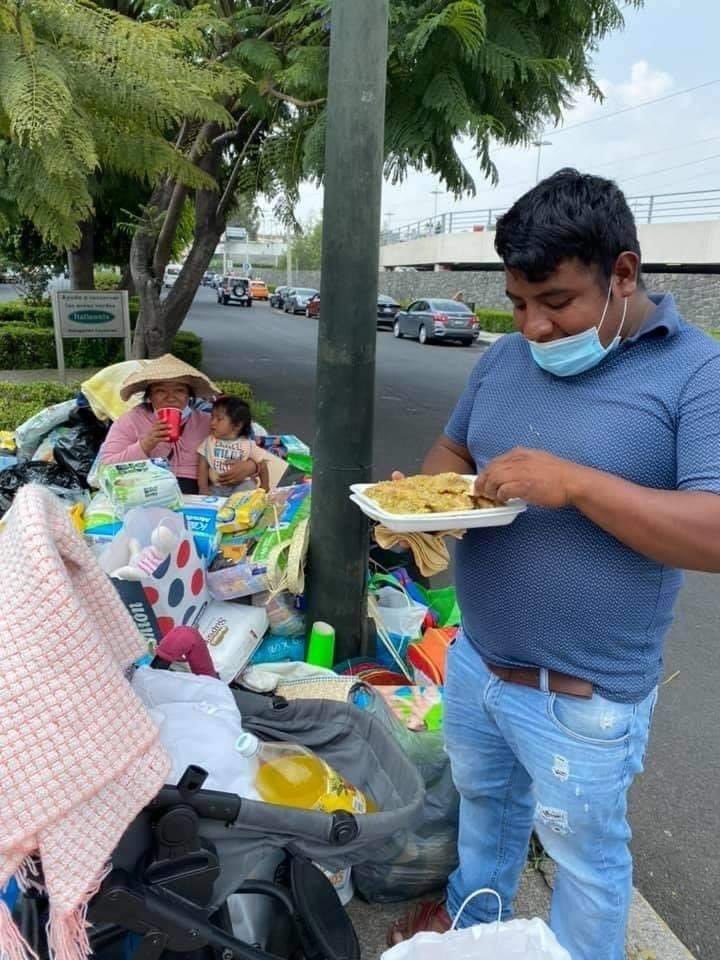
222	427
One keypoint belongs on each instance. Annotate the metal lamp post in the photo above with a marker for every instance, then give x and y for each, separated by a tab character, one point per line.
539	144
339	540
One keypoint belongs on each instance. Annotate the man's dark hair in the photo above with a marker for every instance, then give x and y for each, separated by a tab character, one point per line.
238	411
569	215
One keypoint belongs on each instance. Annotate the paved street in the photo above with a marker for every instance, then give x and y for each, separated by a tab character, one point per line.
675	808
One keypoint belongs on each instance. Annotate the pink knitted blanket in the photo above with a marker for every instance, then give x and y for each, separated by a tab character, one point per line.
79	754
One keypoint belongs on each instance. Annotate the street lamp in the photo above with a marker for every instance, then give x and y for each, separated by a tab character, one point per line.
539	144
436	193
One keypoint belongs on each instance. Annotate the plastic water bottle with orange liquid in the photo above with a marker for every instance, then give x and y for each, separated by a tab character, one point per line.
292	775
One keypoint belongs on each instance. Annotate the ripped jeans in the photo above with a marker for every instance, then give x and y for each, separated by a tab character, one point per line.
522	758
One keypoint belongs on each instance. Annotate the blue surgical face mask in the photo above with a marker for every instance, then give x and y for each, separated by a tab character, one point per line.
570	356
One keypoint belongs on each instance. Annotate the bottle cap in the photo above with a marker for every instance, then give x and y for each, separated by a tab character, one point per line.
247	745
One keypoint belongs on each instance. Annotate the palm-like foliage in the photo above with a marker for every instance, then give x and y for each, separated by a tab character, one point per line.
83	89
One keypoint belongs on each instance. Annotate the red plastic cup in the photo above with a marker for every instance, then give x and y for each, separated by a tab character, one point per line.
173	418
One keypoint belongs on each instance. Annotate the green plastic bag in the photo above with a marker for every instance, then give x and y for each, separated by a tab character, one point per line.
444	603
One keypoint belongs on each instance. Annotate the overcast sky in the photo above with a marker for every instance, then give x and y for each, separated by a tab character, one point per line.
673	145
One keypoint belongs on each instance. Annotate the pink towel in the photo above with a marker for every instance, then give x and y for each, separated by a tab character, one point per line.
79	754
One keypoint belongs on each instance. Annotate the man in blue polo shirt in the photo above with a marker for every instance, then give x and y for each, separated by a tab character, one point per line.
603	413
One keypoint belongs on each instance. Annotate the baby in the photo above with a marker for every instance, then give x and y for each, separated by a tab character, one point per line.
229	442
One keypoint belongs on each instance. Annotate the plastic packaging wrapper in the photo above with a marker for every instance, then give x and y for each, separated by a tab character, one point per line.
233	632
30	434
241	511
8	447
283	614
230	578
430	852
62	483
140	483
201	514
276	648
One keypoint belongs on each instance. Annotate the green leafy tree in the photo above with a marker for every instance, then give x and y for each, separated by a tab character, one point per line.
489	71
86	93
306	249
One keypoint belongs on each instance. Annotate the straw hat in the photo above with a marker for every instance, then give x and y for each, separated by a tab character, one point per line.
167	367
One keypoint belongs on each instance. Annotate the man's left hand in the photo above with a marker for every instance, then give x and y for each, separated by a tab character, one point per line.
531	475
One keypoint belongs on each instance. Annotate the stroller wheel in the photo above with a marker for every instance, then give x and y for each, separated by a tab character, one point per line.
329	928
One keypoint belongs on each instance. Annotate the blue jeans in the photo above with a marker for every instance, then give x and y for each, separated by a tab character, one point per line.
524	758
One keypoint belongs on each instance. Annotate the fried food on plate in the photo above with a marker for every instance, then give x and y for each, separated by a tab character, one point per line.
443	493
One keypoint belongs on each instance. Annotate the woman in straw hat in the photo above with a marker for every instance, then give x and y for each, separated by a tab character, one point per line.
139	434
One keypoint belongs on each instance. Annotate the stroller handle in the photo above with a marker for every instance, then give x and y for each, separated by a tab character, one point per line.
208	804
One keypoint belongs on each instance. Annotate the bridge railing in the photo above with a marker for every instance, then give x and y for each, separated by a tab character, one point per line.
653	208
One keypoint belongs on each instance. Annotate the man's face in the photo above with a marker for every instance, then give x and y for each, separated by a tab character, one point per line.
571	300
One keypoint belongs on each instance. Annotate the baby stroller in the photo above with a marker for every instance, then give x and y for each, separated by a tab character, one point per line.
203	874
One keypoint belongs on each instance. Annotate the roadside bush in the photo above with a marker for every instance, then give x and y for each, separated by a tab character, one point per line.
19	401
106	280
271	287
262	412
495	321
18	311
715	334
27	347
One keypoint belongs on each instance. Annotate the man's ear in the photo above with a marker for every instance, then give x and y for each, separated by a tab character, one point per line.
626	273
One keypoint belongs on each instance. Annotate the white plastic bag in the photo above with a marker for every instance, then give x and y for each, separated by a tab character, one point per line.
199	724
30	434
401	615
514	940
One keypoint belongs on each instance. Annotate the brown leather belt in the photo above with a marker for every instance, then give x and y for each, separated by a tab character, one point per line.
557	682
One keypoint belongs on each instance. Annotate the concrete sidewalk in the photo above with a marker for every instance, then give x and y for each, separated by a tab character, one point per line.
649	937
47	376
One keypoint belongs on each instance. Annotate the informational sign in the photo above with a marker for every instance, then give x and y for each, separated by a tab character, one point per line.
80	314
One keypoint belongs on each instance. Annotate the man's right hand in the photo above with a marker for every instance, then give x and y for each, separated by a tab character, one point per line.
158	433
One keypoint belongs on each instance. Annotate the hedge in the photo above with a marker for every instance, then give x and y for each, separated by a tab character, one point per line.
17	311
27	347
495	321
19	401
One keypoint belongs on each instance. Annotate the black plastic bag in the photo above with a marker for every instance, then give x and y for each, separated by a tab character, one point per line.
76	451
61	480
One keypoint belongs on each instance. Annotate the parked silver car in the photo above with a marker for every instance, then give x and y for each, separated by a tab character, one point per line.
297	299
434	320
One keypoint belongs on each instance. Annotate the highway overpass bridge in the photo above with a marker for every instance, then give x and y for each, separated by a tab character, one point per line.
679	233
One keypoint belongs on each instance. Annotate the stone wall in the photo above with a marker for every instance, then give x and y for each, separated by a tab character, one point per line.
697	295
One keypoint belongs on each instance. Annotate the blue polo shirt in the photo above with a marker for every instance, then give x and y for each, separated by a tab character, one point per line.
552	589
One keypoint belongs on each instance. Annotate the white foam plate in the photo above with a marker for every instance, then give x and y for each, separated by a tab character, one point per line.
434	522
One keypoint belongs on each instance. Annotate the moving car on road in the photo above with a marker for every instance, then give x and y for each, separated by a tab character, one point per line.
433	320
296	300
277	299
235	290
259	290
